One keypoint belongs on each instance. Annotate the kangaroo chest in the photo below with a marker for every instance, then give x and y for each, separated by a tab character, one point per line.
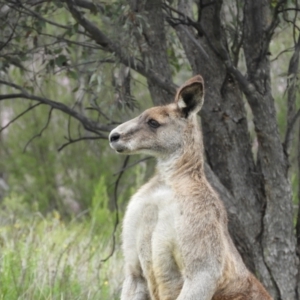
151	242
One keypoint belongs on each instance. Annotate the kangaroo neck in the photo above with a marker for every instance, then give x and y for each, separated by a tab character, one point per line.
186	162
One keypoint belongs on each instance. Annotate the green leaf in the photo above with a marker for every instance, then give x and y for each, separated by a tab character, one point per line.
75	89
58	51
58	4
61	60
72	74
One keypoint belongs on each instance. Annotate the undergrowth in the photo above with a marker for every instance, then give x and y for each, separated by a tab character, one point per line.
48	258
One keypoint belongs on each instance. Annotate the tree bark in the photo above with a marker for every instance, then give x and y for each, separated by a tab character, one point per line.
153	45
260	191
298	213
278	241
227	140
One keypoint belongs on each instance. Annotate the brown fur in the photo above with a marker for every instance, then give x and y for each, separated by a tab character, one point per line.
175	238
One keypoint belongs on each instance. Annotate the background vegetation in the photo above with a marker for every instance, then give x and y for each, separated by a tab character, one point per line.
70	71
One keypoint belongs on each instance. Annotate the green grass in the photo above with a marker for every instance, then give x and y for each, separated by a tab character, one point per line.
46	258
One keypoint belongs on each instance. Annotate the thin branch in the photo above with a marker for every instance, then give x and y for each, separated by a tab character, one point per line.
87	123
72	141
90	27
13	85
17	6
11	96
289	131
126	160
42	18
69	132
100	38
274	23
133	164
100	61
61	38
42	130
100	112
88	5
187	19
291	99
282	52
288	9
11	35
294	25
222	53
19	116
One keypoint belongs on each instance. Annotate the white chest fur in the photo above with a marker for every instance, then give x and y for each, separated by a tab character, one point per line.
149	236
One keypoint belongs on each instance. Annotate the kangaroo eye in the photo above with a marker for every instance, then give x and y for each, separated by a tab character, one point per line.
152	123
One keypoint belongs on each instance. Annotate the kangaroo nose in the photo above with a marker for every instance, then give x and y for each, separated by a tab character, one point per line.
114	137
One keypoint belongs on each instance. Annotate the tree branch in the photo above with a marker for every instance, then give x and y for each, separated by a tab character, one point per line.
291	99
10	36
85	138
197	44
126	160
91	28
33	13
100	38
184	19
274	23
93	7
19	116
298	211
289	131
10	96
222	53
133	164
87	123
42	130
278	208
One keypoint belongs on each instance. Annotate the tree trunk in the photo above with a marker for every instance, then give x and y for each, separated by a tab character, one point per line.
153	45
277	241
257	193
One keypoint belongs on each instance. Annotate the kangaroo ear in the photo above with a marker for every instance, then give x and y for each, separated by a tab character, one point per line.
190	96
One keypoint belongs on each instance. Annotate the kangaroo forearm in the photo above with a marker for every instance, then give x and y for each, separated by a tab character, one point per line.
201	287
134	289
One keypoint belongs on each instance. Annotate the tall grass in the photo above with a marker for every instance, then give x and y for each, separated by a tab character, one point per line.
46	258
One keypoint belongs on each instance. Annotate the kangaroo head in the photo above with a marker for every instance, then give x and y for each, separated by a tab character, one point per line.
159	131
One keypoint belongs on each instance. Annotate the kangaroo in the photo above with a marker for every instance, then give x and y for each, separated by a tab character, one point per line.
176	243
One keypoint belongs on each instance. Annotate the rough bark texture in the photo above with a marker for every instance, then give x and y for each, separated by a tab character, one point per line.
227	140
278	242
292	117
298	214
261	193
153	45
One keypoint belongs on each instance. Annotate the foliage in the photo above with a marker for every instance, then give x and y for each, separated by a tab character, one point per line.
72	70
46	258
100	213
